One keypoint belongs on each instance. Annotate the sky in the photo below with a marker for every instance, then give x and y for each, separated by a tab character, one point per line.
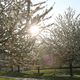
61	5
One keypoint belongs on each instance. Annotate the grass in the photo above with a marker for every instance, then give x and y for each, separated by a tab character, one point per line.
12	74
7	79
49	78
62	78
47	74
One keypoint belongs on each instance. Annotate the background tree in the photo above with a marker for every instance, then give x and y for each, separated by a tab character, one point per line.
65	38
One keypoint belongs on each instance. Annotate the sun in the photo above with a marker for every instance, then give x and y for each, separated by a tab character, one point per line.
34	30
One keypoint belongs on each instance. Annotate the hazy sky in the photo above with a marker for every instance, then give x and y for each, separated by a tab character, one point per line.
62	5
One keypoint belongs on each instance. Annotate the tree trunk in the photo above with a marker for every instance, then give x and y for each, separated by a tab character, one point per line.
18	67
71	70
38	69
12	68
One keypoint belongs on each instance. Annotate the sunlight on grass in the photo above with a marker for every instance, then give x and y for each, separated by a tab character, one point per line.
7	79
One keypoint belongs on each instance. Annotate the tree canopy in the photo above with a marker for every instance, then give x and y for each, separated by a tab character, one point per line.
16	17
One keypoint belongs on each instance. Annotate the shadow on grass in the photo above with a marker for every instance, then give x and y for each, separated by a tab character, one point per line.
61	78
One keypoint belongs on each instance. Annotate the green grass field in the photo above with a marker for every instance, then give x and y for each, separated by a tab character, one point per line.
62	78
47	74
56	78
7	79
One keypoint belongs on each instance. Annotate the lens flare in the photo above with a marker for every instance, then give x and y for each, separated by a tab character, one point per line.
34	30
